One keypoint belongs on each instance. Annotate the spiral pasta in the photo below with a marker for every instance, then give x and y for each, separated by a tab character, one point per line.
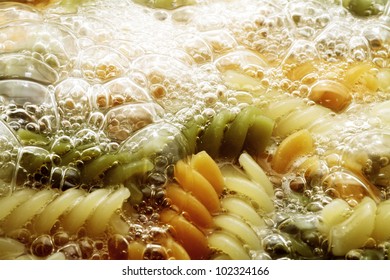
201	206
11	249
195	197
313	139
73	208
293	147
244	210
351	228
293	115
227	135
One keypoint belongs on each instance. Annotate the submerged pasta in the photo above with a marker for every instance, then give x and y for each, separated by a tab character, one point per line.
239	130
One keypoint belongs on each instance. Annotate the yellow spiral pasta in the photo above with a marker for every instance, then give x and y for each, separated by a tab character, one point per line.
245	209
232	219
293	114
73	208
11	249
349	228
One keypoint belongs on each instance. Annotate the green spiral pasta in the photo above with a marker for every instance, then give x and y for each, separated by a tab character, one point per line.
228	135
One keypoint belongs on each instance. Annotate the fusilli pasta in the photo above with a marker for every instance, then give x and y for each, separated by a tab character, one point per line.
210	206
73	208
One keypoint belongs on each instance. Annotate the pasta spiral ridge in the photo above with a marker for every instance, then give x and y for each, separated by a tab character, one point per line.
74	208
227	135
204	210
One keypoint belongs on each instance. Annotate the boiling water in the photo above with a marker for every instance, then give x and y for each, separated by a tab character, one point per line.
89	79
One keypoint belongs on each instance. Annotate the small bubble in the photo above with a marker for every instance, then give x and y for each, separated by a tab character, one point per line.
42	246
22	235
71	251
161	15
384	161
117	247
155	252
60	238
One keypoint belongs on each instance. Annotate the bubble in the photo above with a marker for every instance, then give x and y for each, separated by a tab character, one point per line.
183	15
196	47
159	67
122	121
117	247
17	11
378	38
220	41
288	226
22	235
18	94
27	67
8	139
60	238
71	178
332	43
161	15
314	206
157	178
301	60
62	145
71	251
158	91
366	151
125	89
276	246
210	21
307	18
72	97
86	246
88	26
102	63
96	120
42	246
48	38
169	138
155	252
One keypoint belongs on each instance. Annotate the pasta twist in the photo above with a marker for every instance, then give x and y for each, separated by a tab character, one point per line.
349	228
313	139
246	209
228	135
293	114
200	205
11	249
74	208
